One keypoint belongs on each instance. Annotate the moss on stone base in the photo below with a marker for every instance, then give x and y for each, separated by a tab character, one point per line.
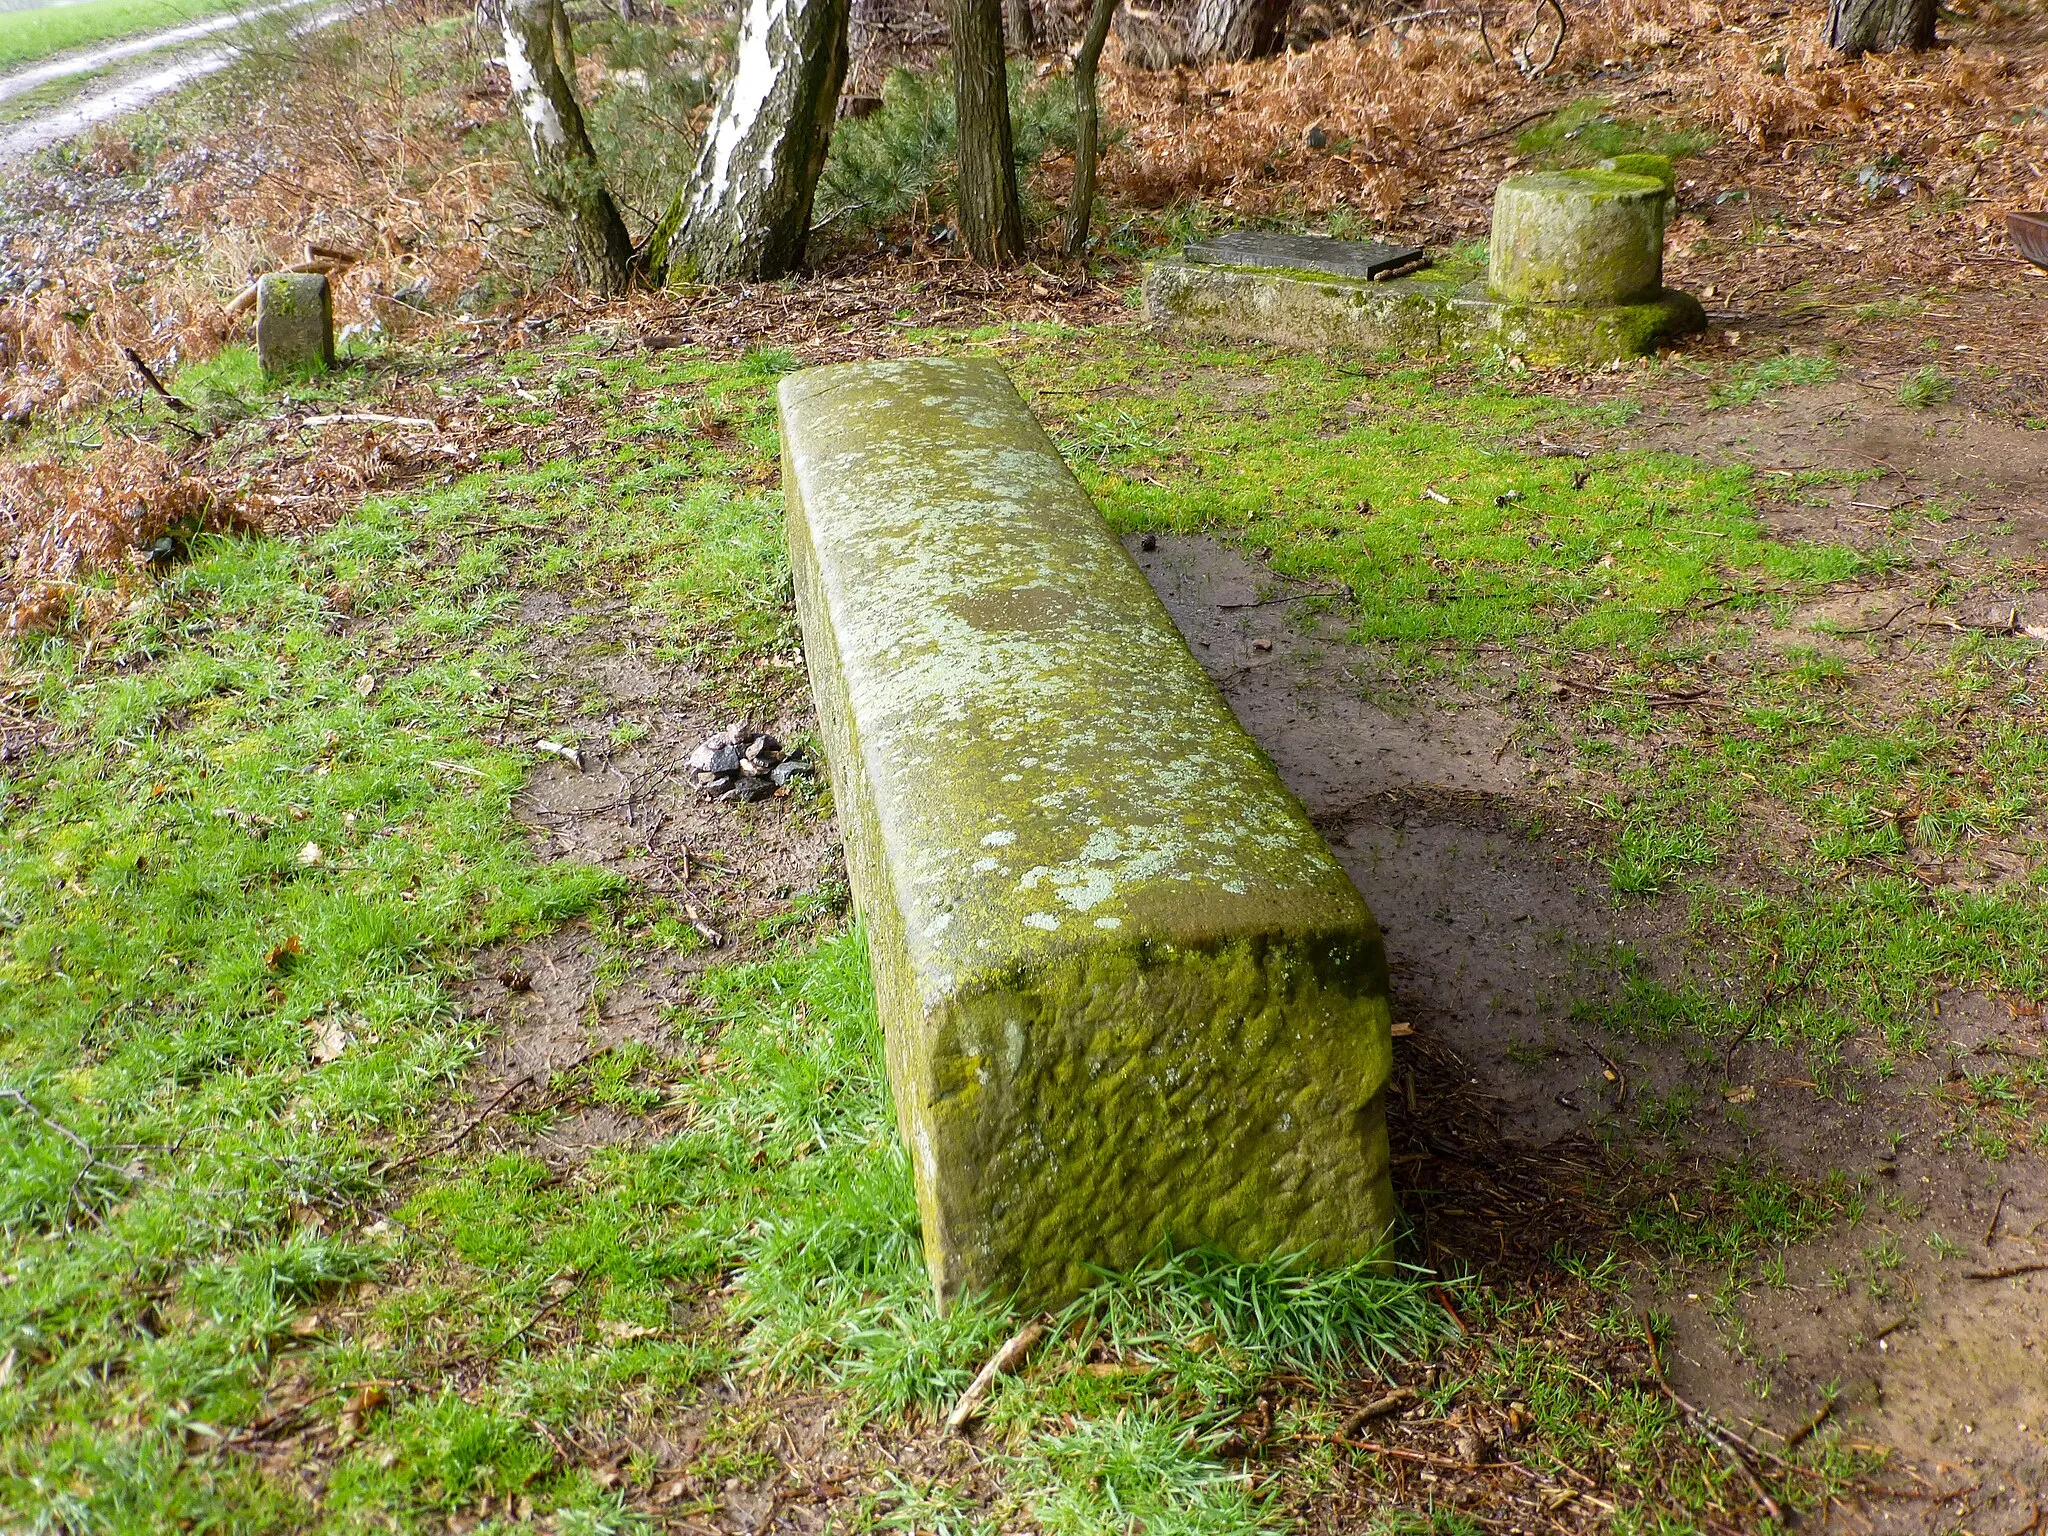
1128	994
1428	315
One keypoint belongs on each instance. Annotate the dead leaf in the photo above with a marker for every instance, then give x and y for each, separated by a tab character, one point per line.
367	1400
311	854
280	956
366	685
329	1040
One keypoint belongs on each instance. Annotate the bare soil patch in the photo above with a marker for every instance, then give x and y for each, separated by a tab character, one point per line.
1519	1125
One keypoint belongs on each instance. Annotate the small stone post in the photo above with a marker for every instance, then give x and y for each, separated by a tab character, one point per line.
294	322
1578	237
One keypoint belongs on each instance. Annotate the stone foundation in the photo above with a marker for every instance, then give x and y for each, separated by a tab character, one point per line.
1439	311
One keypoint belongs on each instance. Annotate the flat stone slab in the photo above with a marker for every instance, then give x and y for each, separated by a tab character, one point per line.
1439	311
1128	995
1362	259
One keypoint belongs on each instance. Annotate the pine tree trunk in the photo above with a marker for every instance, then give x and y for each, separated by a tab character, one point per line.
1880	26
746	211
1237	29
1087	120
985	192
1020	29
565	168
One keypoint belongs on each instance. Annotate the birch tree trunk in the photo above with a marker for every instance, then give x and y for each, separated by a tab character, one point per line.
985	191
1879	26
746	211
565	168
1237	29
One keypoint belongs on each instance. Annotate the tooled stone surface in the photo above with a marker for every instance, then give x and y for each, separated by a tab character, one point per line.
1128	994
294	322
1578	237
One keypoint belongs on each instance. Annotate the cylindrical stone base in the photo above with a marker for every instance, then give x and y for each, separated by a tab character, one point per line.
1578	237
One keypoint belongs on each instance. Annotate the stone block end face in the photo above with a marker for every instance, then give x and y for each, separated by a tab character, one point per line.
1578	237
294	322
1128	995
1091	1109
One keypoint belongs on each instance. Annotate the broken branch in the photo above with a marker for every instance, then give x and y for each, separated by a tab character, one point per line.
149	377
1005	1359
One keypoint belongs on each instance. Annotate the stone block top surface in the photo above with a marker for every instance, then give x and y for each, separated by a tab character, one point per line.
1031	722
1360	259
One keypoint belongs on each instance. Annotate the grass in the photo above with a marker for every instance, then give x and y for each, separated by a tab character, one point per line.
1590	129
1747	381
1925	388
26	36
179	965
446	1332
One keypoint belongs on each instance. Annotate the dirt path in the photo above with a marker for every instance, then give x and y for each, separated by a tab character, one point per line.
135	88
91	59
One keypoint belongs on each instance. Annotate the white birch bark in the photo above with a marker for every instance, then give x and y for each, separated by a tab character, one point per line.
566	172
746	211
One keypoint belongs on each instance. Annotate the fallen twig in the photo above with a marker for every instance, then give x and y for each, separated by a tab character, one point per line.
1799	1436
1991	1226
1379	1408
2007	1271
1495	133
450	1143
369	418
1004	1360
52	1122
1871	629
1291	597
1731	1444
149	377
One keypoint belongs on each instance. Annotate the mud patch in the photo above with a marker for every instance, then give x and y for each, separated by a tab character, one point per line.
1524	1131
1948	483
731	876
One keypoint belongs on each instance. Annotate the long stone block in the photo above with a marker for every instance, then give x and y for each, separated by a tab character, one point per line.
1128	995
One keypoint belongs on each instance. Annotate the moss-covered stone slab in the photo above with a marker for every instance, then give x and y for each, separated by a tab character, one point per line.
1128	995
1447	309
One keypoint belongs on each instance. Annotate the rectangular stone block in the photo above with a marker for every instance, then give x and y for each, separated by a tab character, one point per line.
1443	310
294	322
1128	995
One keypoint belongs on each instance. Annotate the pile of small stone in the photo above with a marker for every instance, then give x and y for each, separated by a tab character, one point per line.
740	763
